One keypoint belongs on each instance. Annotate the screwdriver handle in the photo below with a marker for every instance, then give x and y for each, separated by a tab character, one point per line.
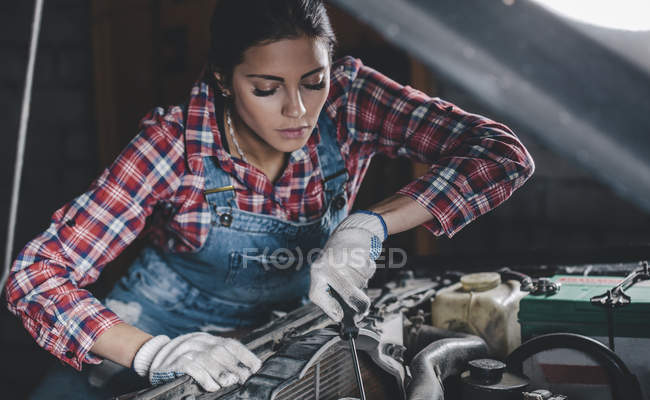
348	327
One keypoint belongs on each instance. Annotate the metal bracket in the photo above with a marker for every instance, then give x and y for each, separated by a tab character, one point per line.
536	287
616	296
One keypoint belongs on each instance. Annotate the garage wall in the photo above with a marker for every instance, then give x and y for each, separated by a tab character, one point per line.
61	152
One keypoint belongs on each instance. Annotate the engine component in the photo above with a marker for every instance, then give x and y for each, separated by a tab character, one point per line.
616	297
542	394
418	336
481	305
572	311
488	379
315	365
625	385
304	356
440	360
536	287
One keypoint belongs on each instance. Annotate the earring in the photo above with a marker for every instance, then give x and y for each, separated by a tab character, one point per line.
221	88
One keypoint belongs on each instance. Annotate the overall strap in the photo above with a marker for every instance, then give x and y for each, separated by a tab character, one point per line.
219	191
218	187
335	175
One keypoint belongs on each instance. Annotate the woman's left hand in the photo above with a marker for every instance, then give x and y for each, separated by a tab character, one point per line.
347	263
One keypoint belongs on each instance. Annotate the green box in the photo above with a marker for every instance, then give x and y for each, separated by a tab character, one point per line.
570	310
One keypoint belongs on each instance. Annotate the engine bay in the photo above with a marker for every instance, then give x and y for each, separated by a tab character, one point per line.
491	343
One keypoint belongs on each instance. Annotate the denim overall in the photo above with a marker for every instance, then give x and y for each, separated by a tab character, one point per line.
249	265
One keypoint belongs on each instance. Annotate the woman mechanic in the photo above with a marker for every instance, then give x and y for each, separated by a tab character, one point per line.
268	154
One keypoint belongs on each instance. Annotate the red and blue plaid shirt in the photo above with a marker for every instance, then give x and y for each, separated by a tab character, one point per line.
475	164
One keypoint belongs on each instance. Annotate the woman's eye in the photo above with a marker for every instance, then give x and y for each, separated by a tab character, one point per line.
317	86
263	93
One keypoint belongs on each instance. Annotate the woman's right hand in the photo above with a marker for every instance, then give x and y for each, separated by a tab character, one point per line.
213	361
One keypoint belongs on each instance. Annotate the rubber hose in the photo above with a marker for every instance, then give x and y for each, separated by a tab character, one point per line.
416	339
625	385
439	360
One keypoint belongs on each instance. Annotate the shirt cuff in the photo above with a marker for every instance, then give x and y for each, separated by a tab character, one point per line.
80	327
449	209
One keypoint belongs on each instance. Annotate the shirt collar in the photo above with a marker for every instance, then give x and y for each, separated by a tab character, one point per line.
201	135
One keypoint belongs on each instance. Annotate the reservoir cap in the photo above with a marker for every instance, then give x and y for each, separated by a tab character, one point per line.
486	371
480	282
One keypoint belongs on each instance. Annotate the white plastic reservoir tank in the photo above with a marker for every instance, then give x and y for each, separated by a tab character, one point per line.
482	305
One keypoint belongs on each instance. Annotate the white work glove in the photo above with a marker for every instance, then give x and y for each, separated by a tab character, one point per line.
213	361
347	263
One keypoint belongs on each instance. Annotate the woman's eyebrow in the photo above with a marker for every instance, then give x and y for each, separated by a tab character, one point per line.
277	78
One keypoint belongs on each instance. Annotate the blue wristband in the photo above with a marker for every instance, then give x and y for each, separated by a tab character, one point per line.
383	223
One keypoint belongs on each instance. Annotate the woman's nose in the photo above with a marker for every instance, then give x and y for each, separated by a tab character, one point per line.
294	107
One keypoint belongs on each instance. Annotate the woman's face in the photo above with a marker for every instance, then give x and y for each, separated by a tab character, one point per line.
279	87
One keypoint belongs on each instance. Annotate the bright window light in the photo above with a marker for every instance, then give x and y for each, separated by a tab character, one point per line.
630	15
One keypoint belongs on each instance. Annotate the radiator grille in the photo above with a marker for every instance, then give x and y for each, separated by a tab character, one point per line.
332	377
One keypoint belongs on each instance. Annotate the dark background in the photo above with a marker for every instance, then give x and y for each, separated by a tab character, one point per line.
562	215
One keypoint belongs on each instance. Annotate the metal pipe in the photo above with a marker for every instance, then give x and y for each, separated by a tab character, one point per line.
22	135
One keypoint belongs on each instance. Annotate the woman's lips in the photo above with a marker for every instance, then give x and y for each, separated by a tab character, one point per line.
292	133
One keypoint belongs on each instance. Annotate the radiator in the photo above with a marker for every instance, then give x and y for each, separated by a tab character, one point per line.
332	378
304	357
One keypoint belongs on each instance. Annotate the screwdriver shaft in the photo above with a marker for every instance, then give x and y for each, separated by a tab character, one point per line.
357	369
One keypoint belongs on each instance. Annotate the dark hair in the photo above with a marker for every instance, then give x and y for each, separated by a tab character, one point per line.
240	24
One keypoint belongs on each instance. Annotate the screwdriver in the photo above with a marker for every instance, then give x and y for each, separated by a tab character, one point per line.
348	330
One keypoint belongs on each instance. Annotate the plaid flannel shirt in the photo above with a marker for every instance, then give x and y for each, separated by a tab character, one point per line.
475	164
